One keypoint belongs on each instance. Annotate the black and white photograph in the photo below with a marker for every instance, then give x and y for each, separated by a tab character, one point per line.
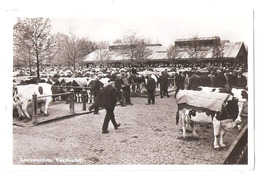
136	85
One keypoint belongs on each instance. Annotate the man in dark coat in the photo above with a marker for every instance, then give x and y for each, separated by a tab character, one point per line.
95	89
232	79
150	86
241	80
163	80
194	82
220	80
108	101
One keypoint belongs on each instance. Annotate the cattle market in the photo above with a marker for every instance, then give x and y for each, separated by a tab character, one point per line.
198	114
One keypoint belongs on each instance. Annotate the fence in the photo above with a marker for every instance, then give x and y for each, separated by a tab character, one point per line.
71	102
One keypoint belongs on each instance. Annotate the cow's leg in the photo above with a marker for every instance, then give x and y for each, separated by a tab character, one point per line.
89	96
183	118
221	140
194	133
80	98
48	100
238	120
216	129
24	109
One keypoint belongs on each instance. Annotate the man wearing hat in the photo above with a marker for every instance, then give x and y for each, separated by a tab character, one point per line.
126	88
108	101
195	81
150	86
95	89
232	79
241	80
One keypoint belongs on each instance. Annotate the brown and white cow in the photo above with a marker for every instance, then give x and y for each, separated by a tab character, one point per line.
23	96
222	116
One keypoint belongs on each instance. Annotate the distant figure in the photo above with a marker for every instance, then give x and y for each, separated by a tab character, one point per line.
150	86
163	80
220	80
194	82
108	101
232	79
126	89
241	80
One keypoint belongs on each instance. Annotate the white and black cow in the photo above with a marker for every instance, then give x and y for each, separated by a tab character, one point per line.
222	120
240	94
23	96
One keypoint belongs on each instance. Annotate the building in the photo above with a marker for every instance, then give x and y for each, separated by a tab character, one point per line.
192	50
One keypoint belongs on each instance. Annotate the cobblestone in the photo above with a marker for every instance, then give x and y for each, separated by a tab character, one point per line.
147	135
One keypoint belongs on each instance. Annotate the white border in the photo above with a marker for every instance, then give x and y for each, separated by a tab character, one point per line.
114	9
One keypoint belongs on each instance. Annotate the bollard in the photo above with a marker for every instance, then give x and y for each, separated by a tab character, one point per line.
72	111
34	105
84	99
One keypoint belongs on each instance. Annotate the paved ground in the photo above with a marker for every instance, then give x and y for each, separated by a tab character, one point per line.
148	135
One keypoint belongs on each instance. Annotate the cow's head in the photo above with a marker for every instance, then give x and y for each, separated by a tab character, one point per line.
230	110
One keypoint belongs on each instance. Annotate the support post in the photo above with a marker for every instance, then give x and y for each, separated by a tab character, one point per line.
34	105
84	98
72	111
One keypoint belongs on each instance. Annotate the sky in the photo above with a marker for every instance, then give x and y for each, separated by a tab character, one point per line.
159	30
162	21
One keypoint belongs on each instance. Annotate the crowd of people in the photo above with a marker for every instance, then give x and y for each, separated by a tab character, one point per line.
123	83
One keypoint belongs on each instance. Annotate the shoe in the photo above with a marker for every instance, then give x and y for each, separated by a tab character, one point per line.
118	125
130	103
104	132
147	103
95	113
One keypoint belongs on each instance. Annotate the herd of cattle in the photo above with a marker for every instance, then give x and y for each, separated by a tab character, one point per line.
226	116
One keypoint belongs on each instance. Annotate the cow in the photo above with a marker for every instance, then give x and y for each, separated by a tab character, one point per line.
77	84
222	113
23	95
240	94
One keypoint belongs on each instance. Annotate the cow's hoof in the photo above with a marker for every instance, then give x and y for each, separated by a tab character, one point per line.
222	145
46	114
41	111
217	147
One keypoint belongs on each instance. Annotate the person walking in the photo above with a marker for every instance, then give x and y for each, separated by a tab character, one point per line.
150	86
108	101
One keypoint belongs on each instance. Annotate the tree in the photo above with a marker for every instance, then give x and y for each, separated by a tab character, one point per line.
33	35
195	48
136	47
102	54
172	53
71	49
218	50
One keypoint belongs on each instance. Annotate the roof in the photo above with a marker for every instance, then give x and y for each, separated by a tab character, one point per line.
230	50
159	53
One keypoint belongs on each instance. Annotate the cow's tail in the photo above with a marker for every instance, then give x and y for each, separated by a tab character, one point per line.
177	116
